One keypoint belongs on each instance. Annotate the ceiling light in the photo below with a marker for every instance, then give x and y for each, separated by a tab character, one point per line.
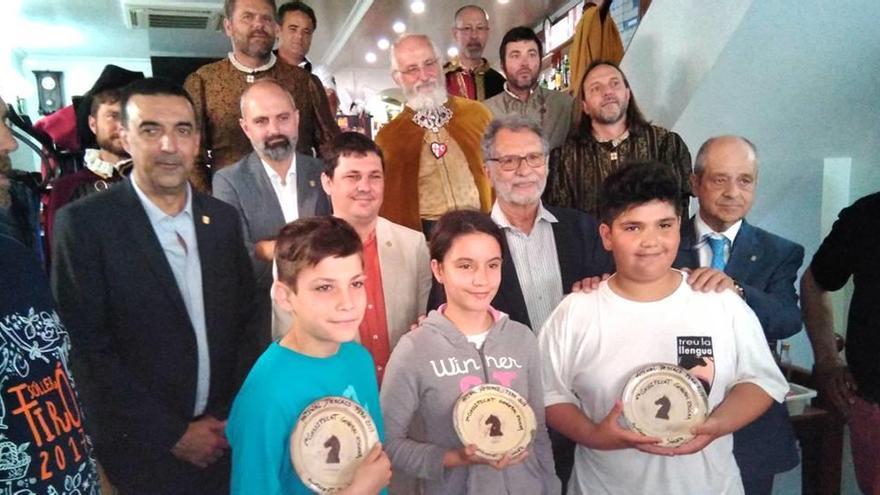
503	1
370	57
417	7
452	52
399	27
383	43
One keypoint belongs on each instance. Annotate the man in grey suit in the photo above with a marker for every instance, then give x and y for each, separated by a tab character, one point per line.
271	186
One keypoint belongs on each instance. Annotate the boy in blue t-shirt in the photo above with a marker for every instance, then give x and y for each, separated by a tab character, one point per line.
321	284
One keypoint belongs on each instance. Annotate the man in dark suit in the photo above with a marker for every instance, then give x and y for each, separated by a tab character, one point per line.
725	250
549	252
271	186
155	284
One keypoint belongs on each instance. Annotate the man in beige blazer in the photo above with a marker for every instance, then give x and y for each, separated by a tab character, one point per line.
396	259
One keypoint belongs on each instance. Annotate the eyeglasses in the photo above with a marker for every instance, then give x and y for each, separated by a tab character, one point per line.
430	66
509	163
469	30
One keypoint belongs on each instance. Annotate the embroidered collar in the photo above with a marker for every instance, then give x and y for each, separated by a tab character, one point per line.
509	92
615	142
455	65
433	118
99	167
252	70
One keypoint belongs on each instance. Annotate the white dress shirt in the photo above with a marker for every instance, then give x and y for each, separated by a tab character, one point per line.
702	230
285	190
177	235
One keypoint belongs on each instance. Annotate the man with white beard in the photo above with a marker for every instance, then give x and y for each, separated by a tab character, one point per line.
271	186
432	148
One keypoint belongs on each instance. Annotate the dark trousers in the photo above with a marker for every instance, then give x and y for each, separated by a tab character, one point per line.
563	456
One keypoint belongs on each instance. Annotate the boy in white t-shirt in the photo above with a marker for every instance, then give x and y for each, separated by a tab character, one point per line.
647	313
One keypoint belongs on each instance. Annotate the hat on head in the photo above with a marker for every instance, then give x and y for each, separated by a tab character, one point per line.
112	77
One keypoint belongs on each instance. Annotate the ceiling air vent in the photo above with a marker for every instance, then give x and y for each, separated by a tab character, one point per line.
156	14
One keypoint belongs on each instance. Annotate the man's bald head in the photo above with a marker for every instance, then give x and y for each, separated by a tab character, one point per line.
261	89
724	180
270	120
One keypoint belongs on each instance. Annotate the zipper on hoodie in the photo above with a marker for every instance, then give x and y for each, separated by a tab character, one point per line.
483	360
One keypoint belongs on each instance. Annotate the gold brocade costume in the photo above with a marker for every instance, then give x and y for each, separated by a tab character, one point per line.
403	143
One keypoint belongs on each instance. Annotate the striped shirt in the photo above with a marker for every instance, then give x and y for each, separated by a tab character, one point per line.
536	262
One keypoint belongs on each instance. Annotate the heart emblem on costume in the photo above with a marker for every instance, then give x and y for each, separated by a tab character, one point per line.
438	150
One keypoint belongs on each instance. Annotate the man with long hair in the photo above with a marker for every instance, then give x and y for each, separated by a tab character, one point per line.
611	132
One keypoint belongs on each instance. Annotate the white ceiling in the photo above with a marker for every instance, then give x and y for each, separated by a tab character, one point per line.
347	29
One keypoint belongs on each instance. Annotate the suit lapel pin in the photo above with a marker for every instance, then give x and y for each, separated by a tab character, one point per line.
311	183
206	219
753	258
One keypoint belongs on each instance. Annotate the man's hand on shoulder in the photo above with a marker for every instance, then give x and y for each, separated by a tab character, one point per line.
589	284
707	279
203	442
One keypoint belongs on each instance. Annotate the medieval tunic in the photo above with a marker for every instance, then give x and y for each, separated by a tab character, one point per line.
596	38
428	173
216	89
549	109
579	167
478	84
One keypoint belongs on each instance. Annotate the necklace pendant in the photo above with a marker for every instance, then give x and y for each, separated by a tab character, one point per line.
249	78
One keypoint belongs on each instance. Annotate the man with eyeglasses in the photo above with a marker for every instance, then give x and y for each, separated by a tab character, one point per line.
469	75
432	148
550	250
722	249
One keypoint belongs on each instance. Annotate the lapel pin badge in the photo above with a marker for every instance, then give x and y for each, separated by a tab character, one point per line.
311	183
206	219
753	258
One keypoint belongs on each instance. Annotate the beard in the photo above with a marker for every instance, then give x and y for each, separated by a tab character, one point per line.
277	147
473	50
420	100
520	82
254	45
111	143
608	115
508	194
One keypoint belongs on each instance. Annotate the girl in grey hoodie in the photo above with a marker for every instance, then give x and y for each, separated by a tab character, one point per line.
464	343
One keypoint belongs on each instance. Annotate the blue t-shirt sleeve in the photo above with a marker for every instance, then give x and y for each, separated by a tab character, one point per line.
258	434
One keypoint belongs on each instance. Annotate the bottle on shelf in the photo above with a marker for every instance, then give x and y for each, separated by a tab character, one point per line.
566	72
785	360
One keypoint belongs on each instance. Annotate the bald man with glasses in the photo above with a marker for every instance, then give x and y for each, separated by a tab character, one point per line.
469	75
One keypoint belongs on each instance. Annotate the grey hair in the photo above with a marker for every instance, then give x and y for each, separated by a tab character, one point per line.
466	7
511	122
394	67
703	154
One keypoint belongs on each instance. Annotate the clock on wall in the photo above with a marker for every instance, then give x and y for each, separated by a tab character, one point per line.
49	90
